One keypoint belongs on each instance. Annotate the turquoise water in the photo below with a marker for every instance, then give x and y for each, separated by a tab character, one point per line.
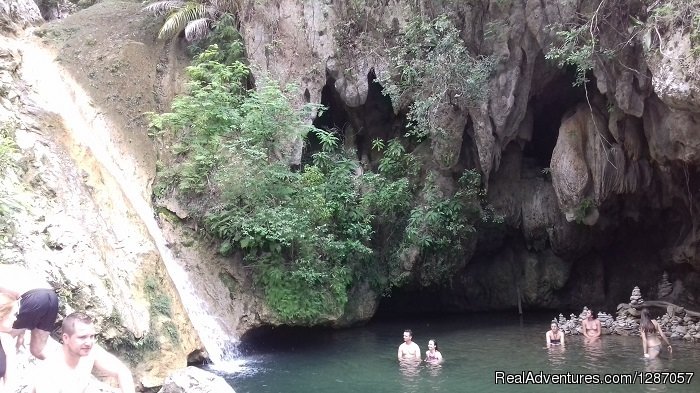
475	348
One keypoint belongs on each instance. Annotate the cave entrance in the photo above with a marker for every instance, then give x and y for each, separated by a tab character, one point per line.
355	127
334	118
554	98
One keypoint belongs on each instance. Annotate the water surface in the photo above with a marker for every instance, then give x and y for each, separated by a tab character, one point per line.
475	347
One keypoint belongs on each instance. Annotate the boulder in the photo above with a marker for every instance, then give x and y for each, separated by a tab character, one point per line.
195	380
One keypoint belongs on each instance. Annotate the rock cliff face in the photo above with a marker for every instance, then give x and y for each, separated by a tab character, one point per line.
64	215
597	185
16	15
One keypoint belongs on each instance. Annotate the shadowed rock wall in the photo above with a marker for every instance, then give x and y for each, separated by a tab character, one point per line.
597	185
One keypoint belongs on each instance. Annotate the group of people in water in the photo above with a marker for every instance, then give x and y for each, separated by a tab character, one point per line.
408	350
30	303
649	330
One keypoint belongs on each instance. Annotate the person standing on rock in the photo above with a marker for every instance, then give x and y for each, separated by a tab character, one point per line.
409	350
70	368
38	306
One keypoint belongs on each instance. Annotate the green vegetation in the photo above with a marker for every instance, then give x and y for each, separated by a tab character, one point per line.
442	226
7	202
171	331
131	348
615	27
7	145
576	49
137	349
123	342
230	284
309	233
431	65
194	17
201	119
160	302
676	15
225	36
583	210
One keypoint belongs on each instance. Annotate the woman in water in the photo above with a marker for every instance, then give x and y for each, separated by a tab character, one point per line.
8	313
433	355
554	336
651	331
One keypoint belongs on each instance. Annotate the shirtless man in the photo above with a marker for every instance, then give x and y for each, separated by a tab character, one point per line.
408	350
68	370
591	326
38	306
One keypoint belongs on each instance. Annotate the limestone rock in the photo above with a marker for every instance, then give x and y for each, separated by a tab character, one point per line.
636	297
18	14
675	72
571	161
195	380
672	133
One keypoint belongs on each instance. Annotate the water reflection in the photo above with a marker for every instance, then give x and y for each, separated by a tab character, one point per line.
593	351
410	372
364	359
434	378
655	365
556	357
416	374
434	369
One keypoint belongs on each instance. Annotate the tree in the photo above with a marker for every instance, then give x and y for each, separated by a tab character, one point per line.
195	17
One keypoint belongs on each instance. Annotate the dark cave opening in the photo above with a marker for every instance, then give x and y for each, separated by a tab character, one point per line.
279	339
553	99
334	117
355	127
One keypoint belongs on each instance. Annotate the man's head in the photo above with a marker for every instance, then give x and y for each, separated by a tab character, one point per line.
78	333
407	335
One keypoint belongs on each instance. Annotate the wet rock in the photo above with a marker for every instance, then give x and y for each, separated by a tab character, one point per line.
606	321
194	380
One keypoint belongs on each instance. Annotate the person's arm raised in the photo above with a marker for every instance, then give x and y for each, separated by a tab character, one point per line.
110	365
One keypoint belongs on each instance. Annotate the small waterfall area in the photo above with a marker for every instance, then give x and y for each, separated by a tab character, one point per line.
57	92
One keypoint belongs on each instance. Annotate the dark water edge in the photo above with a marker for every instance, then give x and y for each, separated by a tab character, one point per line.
476	347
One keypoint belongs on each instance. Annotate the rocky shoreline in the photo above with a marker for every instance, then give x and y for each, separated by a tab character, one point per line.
676	322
